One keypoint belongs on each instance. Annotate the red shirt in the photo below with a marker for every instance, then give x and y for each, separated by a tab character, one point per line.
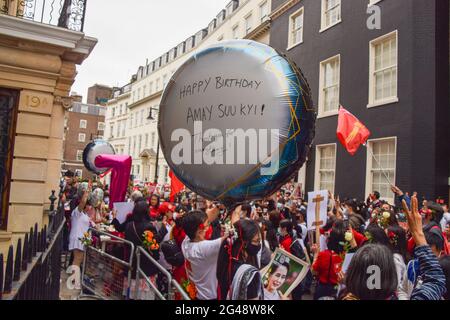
328	265
286	243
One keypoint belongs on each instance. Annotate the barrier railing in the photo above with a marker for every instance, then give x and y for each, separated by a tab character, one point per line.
33	273
107	267
172	283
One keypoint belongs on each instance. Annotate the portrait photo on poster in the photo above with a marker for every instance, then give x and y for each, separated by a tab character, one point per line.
283	274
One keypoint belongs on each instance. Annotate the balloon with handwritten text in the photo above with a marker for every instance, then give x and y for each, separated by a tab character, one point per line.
236	121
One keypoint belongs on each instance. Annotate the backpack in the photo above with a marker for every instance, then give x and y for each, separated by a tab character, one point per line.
172	253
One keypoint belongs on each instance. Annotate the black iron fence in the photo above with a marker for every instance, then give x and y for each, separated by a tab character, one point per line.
35	272
69	14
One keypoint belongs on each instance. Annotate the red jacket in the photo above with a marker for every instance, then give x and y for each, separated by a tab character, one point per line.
327	266
286	243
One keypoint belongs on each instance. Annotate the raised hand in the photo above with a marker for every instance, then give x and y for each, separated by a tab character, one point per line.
415	221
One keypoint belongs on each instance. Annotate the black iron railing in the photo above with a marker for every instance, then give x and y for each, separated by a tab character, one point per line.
35	272
69	14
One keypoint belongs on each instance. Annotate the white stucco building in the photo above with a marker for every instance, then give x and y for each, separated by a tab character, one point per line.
131	120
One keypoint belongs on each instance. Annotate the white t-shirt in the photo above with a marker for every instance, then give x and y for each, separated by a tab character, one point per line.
203	259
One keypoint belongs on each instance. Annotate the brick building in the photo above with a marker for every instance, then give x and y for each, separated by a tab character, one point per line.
84	122
99	94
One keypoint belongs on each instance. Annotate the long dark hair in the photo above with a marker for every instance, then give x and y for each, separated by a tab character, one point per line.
337	236
140	211
368	260
234	251
397	238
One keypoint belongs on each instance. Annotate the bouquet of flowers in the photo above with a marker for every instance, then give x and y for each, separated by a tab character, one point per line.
149	241
86	240
190	288
381	218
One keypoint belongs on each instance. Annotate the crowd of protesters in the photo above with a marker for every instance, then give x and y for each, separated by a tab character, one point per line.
217	253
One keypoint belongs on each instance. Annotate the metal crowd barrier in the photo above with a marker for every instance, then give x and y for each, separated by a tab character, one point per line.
155	293
107	268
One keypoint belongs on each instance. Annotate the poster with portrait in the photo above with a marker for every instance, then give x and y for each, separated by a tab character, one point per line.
283	274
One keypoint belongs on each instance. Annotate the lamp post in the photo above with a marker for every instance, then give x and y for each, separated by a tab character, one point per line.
150	117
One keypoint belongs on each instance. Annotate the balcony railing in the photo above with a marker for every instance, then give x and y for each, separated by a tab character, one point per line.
68	14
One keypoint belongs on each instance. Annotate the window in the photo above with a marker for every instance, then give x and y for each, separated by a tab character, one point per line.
151	88
325	167
142	117
383	70
331	13
136	119
248	23
164	81
146	140
111	131
139	94
138	169
329	86
114	111
157	85
79	155
140	143
81	137
79	173
119	123
101	126
84	109
124	125
83	124
381	161
153	139
296	28
264	11
131	120
235	32
145	91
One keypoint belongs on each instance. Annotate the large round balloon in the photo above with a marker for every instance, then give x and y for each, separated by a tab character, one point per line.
92	150
236	121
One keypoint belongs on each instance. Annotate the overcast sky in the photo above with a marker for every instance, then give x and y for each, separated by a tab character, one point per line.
131	31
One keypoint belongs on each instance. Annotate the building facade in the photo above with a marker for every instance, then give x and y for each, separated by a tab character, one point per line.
132	115
38	58
394	77
83	123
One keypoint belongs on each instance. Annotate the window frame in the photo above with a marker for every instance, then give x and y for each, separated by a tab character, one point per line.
233	29
81	134
372	82
248	23
262	17
79	155
324	27
369	165
317	166
291	44
321	104
99	125
85	123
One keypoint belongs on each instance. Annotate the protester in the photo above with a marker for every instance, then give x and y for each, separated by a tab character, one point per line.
327	264
80	223
432	285
238	266
201	255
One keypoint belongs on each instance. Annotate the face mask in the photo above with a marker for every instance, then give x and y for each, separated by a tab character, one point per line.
252	249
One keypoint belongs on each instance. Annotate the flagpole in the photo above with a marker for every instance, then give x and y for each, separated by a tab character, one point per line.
379	164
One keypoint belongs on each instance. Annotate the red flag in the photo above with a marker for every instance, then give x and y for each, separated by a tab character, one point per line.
175	185
351	132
